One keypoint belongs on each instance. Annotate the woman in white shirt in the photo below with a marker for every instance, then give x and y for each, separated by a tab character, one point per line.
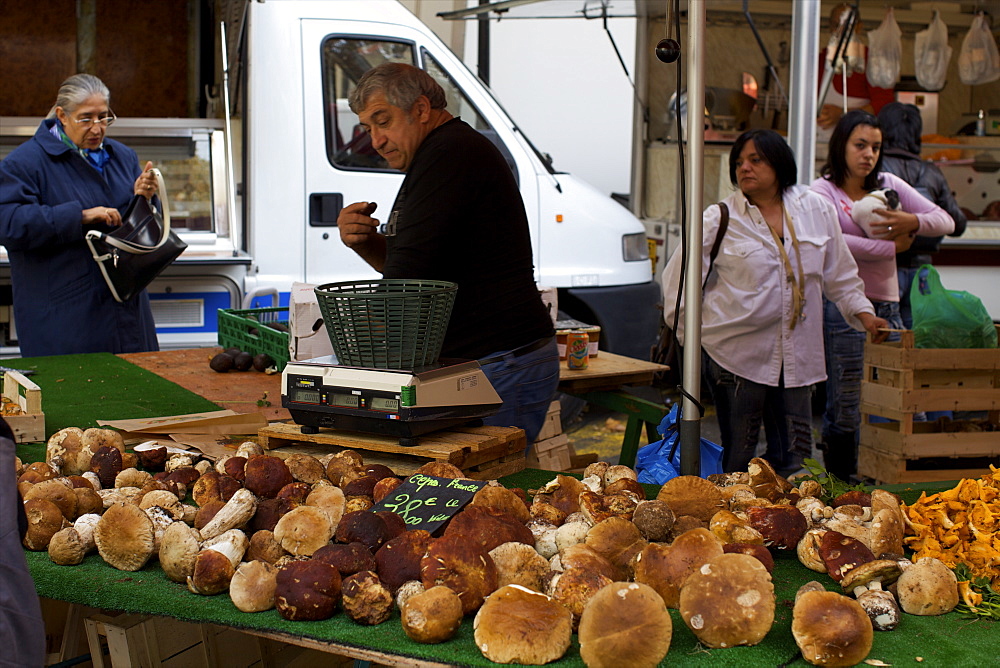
762	312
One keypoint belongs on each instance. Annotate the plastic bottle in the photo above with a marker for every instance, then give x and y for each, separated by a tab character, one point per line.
981	124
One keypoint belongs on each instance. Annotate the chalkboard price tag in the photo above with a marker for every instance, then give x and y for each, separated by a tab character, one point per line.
427	502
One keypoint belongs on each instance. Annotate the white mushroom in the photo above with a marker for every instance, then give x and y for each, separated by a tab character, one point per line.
239	509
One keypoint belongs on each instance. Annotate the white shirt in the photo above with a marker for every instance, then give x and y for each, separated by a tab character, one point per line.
747	305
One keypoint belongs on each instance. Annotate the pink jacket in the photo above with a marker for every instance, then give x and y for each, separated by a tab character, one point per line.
876	258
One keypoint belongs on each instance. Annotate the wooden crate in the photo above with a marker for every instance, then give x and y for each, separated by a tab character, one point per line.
901	381
553	422
483	453
29	426
551	454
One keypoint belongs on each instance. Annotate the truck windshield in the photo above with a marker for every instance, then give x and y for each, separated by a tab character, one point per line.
345	60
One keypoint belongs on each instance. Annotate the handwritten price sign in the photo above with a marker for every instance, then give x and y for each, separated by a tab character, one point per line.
426	502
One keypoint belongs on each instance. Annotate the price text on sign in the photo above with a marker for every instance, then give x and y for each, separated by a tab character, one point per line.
427	502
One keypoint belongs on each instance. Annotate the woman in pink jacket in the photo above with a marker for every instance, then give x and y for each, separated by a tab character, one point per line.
851	172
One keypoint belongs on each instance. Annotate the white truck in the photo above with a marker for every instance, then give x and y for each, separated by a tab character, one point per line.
299	157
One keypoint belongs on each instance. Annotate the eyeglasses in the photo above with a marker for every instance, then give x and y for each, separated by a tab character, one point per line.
87	122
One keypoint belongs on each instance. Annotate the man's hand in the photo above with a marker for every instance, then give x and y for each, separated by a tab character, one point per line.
877	327
359	232
356	225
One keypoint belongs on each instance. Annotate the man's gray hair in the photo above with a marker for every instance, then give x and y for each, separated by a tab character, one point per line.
401	84
76	90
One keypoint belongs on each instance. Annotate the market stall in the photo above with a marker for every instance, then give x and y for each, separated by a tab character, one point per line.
82	389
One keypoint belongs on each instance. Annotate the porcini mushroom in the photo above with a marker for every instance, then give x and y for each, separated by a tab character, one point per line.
432	615
125	537
831	629
866	582
253	585
517	625
728	601
928	587
625	624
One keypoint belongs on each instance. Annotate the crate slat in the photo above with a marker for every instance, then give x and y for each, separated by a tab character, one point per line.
30	426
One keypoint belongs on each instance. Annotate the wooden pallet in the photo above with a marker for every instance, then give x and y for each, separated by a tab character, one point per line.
483	453
901	381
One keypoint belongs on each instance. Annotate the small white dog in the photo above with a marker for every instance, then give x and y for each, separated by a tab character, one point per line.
863	211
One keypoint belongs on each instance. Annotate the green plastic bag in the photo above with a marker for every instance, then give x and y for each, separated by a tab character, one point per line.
948	318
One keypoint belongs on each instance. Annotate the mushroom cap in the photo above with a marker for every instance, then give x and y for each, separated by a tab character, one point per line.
884	571
728	601
517	625
574	587
441	470
831	629
264	547
618	540
63	450
765	481
928	587
266	475
212	573
330	499
808	550
431	616
125	536
563	492
253	585
66	548
504	499
666	567
488	527
654	519
462	565
348	558
307	591
691	495
781	526
841	554
625	624
365	600
519	564
886	532
56	491
179	546
305	468
303	530
812	585
398	560
758	552
585	557
363	527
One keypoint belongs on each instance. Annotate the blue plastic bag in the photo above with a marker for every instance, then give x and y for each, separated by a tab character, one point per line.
660	461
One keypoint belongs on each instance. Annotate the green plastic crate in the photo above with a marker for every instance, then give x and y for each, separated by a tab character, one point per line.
247	330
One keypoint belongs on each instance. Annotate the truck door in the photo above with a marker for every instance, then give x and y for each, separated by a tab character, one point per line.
340	165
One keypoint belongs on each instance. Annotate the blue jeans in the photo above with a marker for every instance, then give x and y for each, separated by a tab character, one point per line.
741	405
845	352
905	277
527	384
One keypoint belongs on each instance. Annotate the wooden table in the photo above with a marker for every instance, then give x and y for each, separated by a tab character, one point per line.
601	384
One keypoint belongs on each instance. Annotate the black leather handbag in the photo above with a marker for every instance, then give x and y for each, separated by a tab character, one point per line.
135	253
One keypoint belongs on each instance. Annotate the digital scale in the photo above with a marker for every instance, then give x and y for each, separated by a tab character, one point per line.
392	402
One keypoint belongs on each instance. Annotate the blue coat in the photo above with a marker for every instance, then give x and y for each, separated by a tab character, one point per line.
61	303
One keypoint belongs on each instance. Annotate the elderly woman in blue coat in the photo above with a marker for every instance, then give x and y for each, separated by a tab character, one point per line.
67	179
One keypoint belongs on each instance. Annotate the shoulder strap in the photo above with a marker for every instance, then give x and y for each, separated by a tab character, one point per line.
723	226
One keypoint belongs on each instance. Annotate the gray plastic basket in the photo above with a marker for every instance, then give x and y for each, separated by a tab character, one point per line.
387	324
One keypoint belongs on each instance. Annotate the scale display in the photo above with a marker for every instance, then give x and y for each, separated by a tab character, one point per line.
349	400
384	404
305	396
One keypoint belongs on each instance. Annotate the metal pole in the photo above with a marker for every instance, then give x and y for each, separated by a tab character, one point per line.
690	426
802	81
234	229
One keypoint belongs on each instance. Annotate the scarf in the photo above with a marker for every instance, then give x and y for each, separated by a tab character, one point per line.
97	157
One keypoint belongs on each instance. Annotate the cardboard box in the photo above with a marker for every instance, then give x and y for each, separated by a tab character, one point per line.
28	425
550	297
308	337
564	327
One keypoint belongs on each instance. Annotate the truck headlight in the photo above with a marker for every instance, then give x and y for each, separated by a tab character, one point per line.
634	247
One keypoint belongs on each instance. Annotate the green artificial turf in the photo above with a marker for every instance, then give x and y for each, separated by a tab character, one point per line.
80	389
